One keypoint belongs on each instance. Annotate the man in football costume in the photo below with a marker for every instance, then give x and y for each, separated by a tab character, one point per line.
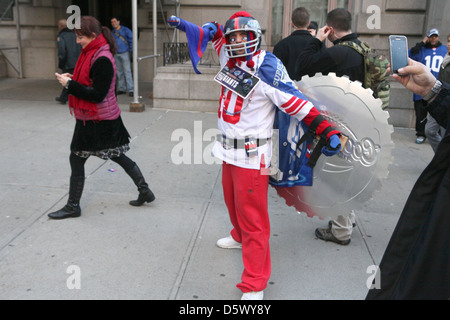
246	124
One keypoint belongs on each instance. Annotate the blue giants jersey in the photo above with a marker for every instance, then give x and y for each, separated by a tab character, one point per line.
432	58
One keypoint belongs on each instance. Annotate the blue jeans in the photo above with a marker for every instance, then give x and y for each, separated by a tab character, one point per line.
124	75
433	132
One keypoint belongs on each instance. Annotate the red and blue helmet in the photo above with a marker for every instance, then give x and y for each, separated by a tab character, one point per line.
242	21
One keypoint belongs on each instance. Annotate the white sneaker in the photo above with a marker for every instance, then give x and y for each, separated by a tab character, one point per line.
228	243
254	295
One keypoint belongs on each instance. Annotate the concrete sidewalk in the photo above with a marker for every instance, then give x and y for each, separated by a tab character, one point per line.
164	250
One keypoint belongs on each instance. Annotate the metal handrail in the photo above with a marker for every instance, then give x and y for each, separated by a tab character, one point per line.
19	70
11	3
174	53
178	53
7	60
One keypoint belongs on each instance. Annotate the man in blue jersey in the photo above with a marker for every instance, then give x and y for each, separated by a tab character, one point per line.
124	40
429	52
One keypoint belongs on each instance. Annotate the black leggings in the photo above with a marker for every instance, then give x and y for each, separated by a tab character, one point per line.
77	164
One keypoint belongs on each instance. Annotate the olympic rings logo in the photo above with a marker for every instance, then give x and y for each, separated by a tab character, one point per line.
365	151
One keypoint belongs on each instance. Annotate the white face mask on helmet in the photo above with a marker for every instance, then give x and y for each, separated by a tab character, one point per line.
253	42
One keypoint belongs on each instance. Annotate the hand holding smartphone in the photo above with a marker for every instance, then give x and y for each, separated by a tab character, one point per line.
399	52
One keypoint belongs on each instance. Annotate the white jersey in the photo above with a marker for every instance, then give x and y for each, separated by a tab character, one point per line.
254	116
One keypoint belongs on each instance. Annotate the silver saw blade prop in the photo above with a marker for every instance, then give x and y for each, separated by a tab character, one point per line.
345	181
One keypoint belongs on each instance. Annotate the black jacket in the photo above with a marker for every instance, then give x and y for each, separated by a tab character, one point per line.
102	74
288	49
68	50
339	59
416	262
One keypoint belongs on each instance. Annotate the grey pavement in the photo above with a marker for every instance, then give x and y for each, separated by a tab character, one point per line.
164	250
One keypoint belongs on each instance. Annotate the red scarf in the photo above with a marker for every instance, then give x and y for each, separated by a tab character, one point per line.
83	109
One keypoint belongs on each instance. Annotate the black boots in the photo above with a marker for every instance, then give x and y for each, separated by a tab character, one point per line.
72	208
145	194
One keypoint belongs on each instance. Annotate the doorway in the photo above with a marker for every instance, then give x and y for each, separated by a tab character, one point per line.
104	10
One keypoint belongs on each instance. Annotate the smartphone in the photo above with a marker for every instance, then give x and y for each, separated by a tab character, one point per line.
399	52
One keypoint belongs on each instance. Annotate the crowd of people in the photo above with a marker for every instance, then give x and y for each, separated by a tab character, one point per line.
304	54
96	67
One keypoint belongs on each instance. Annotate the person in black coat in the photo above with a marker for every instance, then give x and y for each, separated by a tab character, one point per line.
68	53
288	49
344	61
416	262
339	59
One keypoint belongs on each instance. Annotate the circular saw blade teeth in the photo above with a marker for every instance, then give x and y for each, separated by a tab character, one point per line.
345	182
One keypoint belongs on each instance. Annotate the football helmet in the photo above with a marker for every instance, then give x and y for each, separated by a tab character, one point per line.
249	25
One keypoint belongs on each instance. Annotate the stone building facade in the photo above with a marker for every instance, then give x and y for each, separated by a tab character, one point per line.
32	23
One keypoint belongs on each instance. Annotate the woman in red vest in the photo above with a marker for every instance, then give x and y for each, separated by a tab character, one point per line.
99	130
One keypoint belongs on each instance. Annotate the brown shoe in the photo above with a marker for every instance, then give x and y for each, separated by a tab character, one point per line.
326	235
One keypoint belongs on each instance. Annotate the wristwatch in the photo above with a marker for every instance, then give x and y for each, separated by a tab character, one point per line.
67	84
434	91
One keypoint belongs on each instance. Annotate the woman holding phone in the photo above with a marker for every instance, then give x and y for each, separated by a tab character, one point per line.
99	130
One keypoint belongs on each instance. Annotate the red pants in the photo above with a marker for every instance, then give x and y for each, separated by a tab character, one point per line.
245	193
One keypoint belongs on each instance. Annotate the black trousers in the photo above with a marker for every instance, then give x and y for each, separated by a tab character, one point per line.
421	117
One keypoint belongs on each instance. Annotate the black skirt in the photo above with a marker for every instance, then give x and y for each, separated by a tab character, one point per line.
104	138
